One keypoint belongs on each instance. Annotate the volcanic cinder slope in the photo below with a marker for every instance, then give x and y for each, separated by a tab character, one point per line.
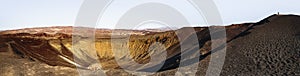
270	46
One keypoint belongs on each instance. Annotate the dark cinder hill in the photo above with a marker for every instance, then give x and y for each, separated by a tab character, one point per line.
271	47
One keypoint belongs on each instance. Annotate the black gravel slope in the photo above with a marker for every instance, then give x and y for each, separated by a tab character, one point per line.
271	48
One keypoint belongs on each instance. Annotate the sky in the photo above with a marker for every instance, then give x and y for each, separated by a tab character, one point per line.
16	14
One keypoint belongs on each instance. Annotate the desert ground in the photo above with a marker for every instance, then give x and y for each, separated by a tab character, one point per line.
268	47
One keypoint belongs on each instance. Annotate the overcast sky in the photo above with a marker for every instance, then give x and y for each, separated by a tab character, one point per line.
39	13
